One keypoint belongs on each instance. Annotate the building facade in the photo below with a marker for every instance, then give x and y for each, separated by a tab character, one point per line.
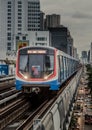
17	16
33	38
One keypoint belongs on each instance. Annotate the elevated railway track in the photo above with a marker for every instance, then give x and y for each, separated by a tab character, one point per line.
45	115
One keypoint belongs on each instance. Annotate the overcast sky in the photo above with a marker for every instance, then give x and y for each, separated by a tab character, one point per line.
76	15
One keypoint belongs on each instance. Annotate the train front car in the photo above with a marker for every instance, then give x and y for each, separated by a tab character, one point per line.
36	68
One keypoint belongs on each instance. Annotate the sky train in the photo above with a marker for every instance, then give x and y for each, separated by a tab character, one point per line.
43	67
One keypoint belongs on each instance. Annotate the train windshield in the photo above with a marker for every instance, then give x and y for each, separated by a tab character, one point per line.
37	65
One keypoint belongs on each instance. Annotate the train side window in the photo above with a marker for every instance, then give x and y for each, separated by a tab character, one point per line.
49	62
23	62
62	67
68	66
64	60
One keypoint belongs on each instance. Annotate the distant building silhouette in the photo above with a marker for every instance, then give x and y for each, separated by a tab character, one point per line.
84	56
52	20
42	21
61	39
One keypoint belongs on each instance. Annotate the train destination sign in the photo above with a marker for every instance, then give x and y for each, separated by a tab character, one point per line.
36	51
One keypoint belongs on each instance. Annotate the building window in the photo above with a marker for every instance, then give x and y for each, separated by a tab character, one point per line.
41	38
20	13
9	44
8	17
9	38
19	21
29	29
24	37
8	29
17	37
41	44
9	48
9	2
9	14
9	10
19	25
19	17
19	2
9	25
19	33
19	10
8	34
9	6
19	6
9	21
19	29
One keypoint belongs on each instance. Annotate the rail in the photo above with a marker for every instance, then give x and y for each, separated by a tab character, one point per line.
28	123
9	98
7	78
12	112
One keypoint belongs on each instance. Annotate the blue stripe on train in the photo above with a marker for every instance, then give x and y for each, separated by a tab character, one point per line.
54	85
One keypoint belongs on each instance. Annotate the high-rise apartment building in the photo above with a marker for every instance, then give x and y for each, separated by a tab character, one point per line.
52	21
17	16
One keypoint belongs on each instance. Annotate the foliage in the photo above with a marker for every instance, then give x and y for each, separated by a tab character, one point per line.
73	122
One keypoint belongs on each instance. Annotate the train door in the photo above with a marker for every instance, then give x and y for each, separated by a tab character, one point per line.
59	69
72	66
68	67
65	73
62	68
62	74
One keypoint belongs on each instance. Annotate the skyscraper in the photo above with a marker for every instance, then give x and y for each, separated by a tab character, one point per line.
17	16
61	39
52	21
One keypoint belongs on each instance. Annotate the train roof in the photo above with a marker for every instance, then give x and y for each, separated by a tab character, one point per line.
67	55
49	47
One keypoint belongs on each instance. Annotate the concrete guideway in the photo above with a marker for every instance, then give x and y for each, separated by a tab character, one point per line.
58	117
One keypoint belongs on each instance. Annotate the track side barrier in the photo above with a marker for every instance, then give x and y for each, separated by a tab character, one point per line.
58	116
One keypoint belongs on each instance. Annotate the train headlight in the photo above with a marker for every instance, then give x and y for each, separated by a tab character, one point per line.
45	77
26	77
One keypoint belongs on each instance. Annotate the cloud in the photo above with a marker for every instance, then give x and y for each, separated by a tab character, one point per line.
76	15
80	15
